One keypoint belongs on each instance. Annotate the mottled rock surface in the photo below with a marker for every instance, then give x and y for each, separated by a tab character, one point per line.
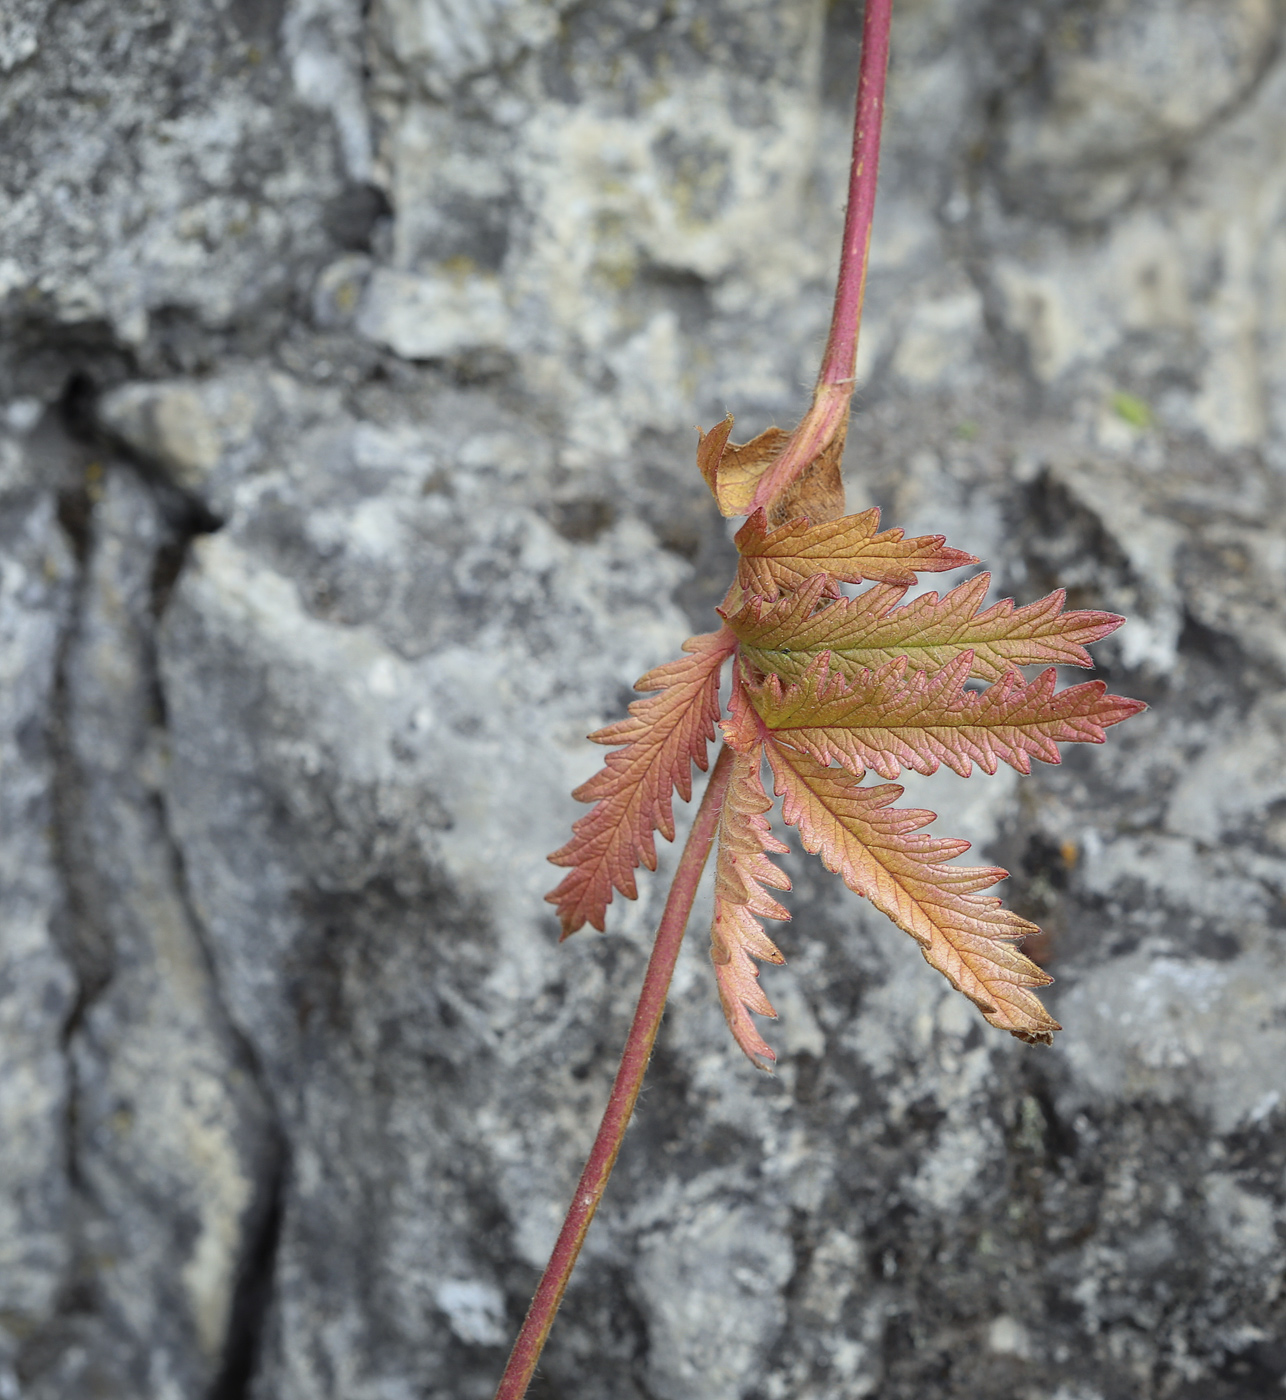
350	360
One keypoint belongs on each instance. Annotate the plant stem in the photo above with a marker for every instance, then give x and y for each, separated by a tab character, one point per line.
840	359
625	1091
828	415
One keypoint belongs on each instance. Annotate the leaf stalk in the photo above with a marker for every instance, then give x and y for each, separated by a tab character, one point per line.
625	1090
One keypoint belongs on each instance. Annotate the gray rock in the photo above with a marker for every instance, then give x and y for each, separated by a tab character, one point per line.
37	986
352	356
173	1151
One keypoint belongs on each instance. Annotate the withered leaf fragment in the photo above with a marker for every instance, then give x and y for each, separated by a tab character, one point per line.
733	470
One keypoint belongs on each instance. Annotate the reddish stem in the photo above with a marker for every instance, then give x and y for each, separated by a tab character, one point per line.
625	1091
828	414
841	348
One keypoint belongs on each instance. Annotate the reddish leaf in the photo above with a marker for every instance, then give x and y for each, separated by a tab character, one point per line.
888	719
742	870
849	549
881	853
783	637
662	738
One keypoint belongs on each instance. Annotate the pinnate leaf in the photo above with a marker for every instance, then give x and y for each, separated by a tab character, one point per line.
889	719
849	550
742	869
662	738
881	853
784	636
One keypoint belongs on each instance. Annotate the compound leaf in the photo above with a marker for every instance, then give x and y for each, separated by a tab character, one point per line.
881	853
742	869
889	719
784	636
662	738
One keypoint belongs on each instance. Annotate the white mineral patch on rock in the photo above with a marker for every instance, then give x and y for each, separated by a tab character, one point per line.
1159	1029
423	317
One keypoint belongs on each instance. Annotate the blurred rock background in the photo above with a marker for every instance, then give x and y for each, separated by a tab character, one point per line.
351	358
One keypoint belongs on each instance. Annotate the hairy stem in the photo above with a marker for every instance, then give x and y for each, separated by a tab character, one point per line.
841	348
625	1091
828	416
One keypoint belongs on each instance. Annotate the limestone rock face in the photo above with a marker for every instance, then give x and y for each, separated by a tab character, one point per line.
350	364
